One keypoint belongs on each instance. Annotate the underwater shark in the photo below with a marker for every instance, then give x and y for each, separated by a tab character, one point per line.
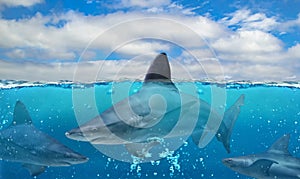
276	162
22	142
153	112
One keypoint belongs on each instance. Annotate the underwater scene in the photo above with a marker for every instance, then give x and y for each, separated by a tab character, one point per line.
269	111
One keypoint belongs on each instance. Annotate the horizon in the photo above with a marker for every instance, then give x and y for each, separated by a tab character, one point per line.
243	41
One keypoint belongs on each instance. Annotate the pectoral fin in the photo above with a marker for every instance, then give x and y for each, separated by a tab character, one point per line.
141	150
262	166
34	170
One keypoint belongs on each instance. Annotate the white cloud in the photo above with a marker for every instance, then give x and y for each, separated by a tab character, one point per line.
294	51
258	72
248	21
290	24
34	37
181	9
136	68
25	3
250	46
16	54
79	30
144	3
157	6
250	52
141	47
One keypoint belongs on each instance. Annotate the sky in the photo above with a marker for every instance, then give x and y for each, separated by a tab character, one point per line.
94	40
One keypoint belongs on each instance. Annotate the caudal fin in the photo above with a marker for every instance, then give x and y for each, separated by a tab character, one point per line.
230	116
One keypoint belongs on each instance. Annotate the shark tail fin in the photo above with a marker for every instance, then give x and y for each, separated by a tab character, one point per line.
230	116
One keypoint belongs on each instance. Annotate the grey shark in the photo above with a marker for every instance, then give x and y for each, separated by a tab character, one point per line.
22	142
154	111
276	162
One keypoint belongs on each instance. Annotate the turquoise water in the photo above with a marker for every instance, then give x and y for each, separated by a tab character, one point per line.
270	110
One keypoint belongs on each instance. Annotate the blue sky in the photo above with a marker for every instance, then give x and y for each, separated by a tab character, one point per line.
250	40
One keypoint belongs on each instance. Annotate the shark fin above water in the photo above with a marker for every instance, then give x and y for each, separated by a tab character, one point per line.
34	170
21	115
159	69
281	146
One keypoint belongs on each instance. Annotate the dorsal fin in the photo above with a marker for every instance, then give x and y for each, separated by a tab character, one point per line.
281	145
21	115
159	69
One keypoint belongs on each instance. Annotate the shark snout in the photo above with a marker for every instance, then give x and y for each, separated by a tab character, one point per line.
74	158
75	134
83	134
79	158
229	162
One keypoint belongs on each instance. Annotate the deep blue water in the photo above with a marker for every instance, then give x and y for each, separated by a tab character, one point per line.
269	112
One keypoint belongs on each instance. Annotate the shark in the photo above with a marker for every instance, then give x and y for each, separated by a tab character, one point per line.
154	112
22	142
276	162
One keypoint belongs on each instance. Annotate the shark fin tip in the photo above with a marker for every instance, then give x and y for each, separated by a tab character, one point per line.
159	69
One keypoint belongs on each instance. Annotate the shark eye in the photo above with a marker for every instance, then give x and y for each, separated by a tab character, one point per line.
229	160
92	129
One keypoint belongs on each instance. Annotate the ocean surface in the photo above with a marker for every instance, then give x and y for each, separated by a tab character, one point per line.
270	111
